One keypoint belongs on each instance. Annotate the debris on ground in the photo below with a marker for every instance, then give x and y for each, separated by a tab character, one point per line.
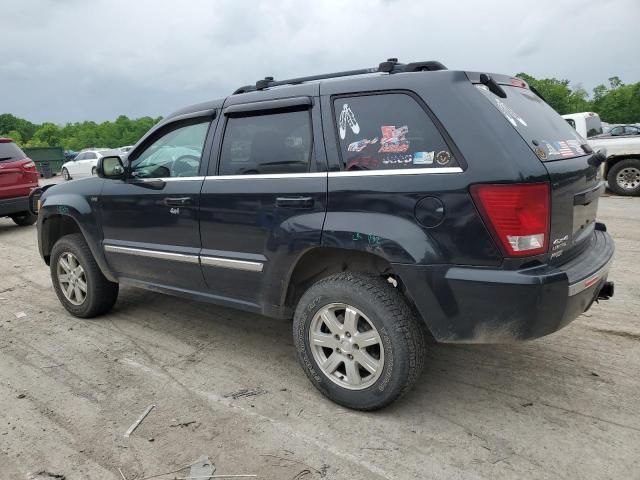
44	475
20	314
182	424
22	395
202	468
138	421
246	392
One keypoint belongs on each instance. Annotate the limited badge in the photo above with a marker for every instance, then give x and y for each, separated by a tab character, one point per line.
423	158
443	157
541	153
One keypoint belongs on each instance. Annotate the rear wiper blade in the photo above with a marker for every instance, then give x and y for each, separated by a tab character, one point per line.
5	158
491	84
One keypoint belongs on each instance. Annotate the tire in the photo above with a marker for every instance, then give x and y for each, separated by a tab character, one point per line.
65	174
400	349
100	294
624	177
93	171
24	219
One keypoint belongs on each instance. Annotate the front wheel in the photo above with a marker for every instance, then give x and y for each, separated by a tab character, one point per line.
79	284
24	219
93	171
358	340
65	174
624	177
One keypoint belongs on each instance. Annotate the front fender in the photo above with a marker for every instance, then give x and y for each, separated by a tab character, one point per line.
57	208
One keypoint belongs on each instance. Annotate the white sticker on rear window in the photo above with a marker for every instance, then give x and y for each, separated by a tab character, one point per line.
347	118
508	112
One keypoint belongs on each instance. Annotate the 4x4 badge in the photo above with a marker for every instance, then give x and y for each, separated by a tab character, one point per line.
347	117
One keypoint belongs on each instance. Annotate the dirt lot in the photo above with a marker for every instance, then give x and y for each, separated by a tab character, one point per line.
566	406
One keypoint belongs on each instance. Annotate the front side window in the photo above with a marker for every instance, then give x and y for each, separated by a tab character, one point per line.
389	131
270	143
177	153
90	156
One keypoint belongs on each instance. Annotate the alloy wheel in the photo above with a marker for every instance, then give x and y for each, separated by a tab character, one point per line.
72	278
346	346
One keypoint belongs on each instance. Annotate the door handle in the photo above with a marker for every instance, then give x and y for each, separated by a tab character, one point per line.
294	202
177	201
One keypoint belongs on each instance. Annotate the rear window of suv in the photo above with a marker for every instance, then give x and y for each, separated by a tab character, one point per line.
10	151
389	131
546	132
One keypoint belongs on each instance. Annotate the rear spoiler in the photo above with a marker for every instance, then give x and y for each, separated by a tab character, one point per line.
493	81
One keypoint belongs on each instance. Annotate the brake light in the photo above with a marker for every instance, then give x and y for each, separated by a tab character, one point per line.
518	216
518	82
29	166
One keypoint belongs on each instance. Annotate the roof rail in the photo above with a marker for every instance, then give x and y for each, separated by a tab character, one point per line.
390	66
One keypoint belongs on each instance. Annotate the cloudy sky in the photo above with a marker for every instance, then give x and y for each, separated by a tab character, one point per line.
72	60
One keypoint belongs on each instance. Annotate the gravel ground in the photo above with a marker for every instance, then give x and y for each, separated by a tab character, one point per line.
226	384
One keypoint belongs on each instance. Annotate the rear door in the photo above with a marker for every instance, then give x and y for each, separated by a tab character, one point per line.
264	200
13	181
570	162
150	220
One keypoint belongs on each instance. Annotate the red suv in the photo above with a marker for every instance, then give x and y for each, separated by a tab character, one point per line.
18	176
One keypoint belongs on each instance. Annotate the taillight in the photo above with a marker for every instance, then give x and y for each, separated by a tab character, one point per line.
29	166
518	215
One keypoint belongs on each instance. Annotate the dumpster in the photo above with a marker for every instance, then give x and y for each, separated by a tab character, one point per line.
48	160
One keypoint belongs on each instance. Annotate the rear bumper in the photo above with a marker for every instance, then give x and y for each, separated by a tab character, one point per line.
480	305
9	206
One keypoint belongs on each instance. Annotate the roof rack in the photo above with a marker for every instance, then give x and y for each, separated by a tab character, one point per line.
390	66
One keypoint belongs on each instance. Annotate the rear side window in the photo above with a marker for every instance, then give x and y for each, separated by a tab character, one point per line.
388	131
10	151
263	144
547	133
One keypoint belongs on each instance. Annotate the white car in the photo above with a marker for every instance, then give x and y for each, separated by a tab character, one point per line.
84	165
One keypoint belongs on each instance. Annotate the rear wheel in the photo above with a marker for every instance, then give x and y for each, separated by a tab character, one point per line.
358	340
24	219
624	177
65	174
79	284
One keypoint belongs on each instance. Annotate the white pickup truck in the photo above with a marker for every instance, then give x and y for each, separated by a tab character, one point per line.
622	167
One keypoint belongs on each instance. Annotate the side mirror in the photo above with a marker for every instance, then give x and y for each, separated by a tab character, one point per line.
110	167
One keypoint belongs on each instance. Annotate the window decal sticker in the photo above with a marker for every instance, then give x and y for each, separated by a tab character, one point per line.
423	158
347	118
508	112
393	139
564	149
360	145
443	157
550	148
541	153
397	159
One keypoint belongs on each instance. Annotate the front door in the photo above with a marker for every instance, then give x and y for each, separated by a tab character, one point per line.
265	203
150	220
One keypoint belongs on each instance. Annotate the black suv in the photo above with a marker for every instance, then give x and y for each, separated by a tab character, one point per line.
371	206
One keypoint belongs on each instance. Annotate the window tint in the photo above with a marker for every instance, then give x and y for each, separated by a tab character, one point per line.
10	151
547	133
388	131
273	143
90	156
631	130
81	156
177	153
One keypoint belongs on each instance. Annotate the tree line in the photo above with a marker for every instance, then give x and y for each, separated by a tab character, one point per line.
76	136
615	103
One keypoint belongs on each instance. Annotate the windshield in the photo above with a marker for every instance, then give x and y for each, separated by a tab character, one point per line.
546	132
10	151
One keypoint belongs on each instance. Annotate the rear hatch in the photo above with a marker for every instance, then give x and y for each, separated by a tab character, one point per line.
570	162
18	174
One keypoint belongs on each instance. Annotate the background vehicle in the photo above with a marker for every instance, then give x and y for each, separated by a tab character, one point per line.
361	206
125	149
83	165
622	166
621	130
18	177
